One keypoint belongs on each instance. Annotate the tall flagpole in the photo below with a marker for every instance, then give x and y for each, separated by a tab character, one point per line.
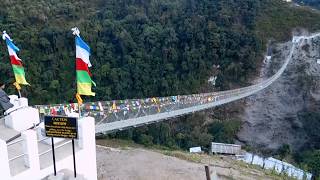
76	32
16	63
79	110
80	102
83	74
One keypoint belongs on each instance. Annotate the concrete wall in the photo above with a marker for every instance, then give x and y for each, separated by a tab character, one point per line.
276	165
85	155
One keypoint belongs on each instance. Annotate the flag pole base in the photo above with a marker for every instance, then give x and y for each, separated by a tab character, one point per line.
18	87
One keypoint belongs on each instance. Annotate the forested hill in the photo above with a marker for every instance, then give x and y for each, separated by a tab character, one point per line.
145	48
139	48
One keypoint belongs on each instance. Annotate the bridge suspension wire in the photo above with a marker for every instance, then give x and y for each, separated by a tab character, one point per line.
121	114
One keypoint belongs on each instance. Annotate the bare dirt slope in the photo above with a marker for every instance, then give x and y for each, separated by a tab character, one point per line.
271	117
142	164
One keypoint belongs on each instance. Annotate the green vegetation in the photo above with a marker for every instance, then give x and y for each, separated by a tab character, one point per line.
145	48
310	157
139	48
284	151
277	19
185	133
224	131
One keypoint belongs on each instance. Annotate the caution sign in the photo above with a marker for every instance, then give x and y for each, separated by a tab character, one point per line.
61	127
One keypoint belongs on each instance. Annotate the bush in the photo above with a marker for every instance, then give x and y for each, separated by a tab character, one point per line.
312	160
145	140
224	131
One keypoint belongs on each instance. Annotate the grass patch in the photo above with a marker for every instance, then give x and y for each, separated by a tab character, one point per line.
184	156
118	143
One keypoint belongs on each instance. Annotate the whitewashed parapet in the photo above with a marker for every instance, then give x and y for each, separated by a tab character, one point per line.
277	166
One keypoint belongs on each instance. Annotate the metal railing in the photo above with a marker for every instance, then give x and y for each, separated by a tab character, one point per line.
121	114
196	102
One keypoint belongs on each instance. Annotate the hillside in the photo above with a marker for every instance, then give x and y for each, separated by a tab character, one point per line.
277	20
139	48
146	48
272	132
282	114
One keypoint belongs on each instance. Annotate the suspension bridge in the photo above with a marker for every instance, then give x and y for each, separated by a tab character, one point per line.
122	114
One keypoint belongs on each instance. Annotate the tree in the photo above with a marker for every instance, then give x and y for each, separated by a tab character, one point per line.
284	151
312	160
145	140
225	131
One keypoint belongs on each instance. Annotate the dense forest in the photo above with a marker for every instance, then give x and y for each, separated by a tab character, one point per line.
139	48
146	48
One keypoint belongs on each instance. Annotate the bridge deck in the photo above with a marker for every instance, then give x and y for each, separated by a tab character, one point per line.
121	114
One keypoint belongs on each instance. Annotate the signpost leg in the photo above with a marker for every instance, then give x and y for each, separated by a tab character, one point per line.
54	157
74	159
207	172
55	126
78	96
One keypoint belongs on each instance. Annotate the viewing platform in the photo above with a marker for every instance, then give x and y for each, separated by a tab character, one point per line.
27	154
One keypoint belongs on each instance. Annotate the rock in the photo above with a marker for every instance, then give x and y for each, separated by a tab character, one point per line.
271	116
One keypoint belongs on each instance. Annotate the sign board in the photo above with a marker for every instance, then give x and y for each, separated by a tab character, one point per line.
195	150
61	127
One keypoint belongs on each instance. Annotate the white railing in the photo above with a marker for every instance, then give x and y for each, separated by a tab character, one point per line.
279	167
21	159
